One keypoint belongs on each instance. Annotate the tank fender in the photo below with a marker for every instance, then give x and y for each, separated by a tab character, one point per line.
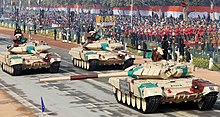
52	57
90	55
52	60
210	89
15	60
147	89
204	86
148	92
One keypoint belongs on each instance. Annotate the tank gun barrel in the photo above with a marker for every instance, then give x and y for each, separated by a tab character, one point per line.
84	76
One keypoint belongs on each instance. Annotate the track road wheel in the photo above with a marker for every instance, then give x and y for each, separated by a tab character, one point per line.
16	70
77	62
80	64
123	98
150	104
207	102
73	61
128	63
87	65
138	103
3	67
54	67
11	70
93	64
133	101
128	100
118	96
144	105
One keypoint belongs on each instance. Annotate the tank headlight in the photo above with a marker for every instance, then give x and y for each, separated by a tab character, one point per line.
195	87
211	88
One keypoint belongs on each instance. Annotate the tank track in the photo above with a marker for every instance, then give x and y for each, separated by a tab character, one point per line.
207	102
144	105
54	67
128	63
14	70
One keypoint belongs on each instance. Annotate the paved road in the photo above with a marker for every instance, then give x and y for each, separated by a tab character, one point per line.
78	98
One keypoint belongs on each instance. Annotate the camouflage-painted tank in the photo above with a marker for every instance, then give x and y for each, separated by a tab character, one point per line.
30	55
101	52
146	87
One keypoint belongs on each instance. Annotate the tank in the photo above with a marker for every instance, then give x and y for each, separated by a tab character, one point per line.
145	87
101	52
29	55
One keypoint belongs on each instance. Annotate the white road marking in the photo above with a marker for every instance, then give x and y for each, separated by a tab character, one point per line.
66	92
78	98
216	110
108	112
92	105
22	100
183	114
55	87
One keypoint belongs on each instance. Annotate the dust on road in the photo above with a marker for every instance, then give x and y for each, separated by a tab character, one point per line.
9	107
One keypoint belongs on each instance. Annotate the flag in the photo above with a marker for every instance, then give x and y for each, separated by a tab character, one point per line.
42	105
184	3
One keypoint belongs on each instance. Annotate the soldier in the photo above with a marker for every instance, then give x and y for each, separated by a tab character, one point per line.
90	28
188	56
55	34
78	36
144	46
19	39
17	32
64	35
24	25
69	36
93	34
35	28
165	46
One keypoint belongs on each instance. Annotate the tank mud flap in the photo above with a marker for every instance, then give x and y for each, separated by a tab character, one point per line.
207	101
54	67
151	105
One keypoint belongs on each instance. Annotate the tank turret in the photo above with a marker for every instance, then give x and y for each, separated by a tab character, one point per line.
29	48
108	45
145	87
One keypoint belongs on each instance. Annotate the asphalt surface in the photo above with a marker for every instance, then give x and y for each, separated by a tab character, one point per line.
92	97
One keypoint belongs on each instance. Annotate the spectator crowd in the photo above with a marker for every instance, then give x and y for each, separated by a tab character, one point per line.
201	32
